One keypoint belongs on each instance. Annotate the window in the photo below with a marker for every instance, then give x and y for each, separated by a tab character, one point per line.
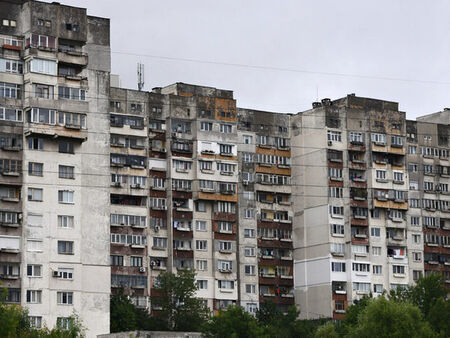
335	192
225	246
339	306
35	143
43	115
65	196
334	173
200	225
65	147
35	194
361	267
398	176
206	126
34	245
65	298
248	195
34	296
35	40
334	136
338	266
70	93
378	138
427	169
337	229
201	245
10	90
360	249
223	265
375	232
116	260
247	157
377	269
64	322
34	270
250	270
249	252
413	167
250	288
225	207
416	239
428	186
135	261
65	171
35	321
412	150
226	227
417	256
336	211
414	203
337	248
226	128
35	169
225	168
247	139
381	174
10	114
376	251
65	221
356	137
226	284
200	206
65	273
202	265
78	121
182	165
226	149
361	287
249	233
415	220
378	288
398	269
202	284
205	165
42	66
160	242
396	141
65	247
417	274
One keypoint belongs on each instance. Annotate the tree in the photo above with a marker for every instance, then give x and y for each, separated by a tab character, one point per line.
439	316
383	318
234	322
427	291
14	323
326	331
179	310
122	313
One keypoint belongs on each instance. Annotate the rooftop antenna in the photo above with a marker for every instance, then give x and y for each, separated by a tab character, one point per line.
317	93
140	76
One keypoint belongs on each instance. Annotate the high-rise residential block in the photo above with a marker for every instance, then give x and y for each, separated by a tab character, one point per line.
54	90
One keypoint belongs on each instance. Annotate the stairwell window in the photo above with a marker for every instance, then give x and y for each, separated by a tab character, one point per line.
336	211
65	171
34	296
66	196
65	221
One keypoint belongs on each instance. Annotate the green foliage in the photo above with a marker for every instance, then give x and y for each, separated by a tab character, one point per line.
234	322
439	317
326	331
427	291
14	323
383	318
180	309
122	313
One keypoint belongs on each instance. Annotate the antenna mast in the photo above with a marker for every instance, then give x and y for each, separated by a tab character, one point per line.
140	76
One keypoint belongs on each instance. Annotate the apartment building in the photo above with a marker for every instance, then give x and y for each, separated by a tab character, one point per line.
428	167
54	89
265	210
351	232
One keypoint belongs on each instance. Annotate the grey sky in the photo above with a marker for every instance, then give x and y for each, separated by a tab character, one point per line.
402	39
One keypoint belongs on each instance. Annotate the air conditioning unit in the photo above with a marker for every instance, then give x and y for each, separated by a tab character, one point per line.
117	184
55	273
244	182
157	227
330	143
142	269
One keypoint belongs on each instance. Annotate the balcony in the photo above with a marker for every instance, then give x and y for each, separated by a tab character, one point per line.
73	57
69	131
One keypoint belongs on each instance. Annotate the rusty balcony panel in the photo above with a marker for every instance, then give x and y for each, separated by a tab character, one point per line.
360	222
183	234
177	253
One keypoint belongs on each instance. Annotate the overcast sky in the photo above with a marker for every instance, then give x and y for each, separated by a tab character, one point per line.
393	50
